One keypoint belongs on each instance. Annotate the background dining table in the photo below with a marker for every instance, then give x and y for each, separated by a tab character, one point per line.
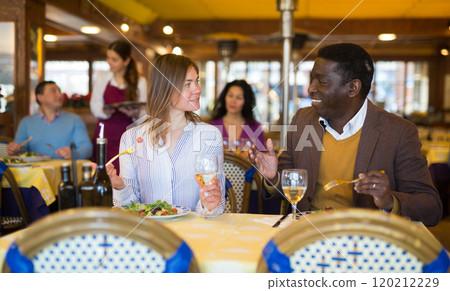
45	176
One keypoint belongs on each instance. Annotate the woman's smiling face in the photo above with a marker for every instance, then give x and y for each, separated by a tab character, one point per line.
189	100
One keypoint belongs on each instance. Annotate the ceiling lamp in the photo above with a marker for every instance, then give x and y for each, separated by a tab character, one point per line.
168	29
90	29
177	51
444	51
125	27
50	38
387	36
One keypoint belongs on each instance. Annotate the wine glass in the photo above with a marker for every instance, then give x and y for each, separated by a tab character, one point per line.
294	183
206	167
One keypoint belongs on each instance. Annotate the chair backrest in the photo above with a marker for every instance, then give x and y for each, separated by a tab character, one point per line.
354	240
98	240
230	206
239	172
4	141
8	175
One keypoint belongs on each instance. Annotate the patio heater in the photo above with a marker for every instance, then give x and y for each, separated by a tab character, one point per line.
227	48
298	42
287	8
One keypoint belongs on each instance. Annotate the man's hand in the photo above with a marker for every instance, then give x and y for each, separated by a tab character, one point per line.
214	194
266	163
64	153
13	148
376	184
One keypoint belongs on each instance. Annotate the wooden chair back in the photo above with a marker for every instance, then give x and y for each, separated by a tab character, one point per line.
231	204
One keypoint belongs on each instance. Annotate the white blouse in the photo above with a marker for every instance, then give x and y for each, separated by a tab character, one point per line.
150	173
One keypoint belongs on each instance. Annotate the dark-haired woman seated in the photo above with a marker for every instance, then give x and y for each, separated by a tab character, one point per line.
233	115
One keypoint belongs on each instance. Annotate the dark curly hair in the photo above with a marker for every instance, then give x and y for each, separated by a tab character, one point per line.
249	101
353	63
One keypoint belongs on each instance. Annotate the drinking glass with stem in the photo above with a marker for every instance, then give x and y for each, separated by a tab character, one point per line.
294	183
206	167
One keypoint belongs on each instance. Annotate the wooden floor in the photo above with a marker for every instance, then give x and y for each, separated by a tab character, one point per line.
442	232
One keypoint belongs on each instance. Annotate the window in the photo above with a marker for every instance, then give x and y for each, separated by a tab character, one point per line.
71	76
99	66
401	87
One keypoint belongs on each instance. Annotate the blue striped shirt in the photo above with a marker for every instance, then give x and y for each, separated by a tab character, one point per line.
150	173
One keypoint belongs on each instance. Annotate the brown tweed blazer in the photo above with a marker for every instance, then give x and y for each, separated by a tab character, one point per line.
388	143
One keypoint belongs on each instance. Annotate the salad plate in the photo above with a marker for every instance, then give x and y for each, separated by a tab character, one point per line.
15	162
156	210
31	157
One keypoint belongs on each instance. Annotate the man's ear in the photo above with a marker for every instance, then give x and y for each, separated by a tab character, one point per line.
38	98
354	87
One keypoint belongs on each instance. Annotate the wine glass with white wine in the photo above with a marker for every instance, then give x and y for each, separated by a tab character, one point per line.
294	183
206	167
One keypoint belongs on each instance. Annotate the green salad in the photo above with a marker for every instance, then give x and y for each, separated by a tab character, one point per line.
13	161
158	208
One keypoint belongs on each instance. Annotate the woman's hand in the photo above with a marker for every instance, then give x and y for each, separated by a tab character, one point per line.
116	181
130	111
109	111
214	194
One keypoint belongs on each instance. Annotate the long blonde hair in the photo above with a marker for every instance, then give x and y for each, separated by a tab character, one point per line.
166	82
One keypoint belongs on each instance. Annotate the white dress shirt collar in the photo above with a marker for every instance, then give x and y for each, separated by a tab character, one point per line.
352	127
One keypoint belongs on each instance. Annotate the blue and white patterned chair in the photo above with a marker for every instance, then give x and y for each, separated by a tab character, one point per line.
354	240
99	240
242	174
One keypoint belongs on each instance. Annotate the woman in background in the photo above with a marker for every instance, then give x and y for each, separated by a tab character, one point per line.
161	168
122	83
233	115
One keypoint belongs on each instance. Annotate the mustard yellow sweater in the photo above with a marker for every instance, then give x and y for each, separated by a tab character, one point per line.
336	162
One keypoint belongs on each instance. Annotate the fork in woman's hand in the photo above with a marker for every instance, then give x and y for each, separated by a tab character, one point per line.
127	151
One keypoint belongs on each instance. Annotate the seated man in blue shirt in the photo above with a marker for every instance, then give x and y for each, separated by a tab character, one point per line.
51	126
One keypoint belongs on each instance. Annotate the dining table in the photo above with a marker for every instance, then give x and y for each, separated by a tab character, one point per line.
43	175
436	152
228	243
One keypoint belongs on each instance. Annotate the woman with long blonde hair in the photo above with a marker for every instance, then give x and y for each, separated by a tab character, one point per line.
167	143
